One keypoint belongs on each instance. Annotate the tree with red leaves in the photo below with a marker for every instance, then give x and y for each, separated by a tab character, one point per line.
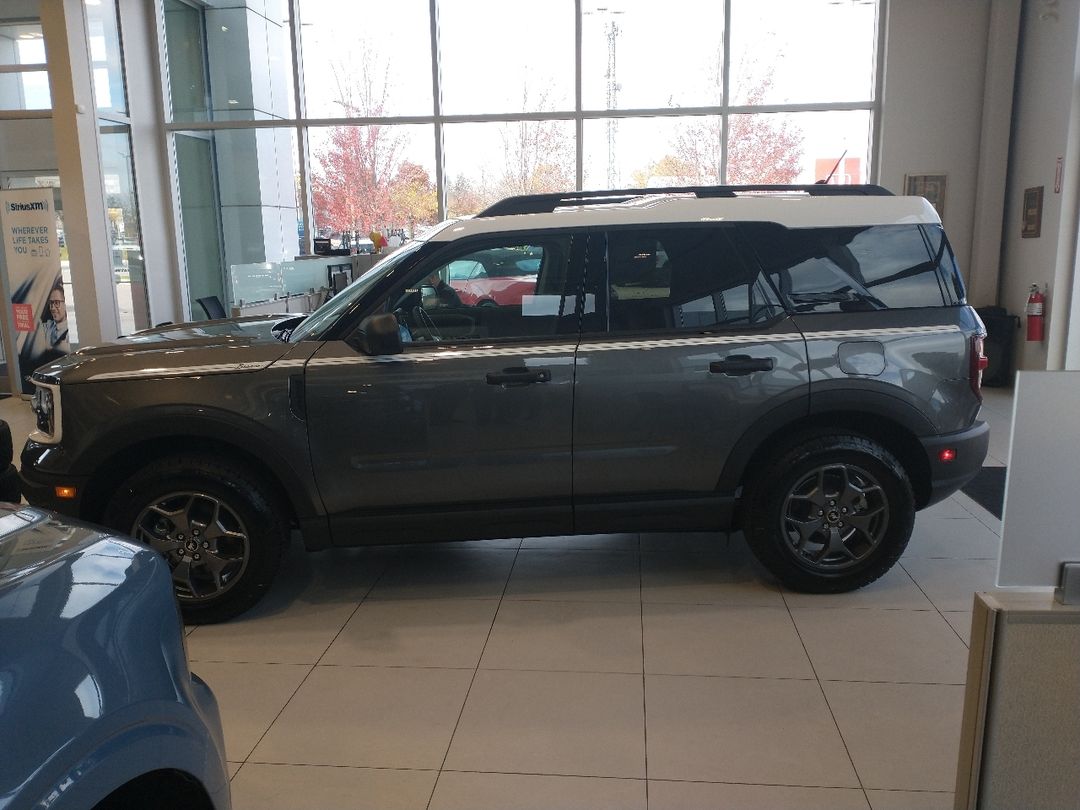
355	170
763	147
351	184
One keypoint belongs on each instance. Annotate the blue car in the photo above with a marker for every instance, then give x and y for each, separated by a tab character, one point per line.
97	706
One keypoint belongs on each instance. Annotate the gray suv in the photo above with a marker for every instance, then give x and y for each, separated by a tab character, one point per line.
799	362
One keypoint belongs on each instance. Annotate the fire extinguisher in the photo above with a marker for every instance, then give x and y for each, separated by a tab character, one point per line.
1036	314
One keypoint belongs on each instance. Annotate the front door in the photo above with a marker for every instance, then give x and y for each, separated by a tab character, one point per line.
467	433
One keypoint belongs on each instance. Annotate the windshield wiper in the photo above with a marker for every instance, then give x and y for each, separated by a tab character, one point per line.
835	297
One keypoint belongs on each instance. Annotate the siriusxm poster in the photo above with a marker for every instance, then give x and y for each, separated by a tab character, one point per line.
39	306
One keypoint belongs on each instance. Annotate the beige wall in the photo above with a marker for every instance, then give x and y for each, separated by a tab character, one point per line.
935	61
1046	77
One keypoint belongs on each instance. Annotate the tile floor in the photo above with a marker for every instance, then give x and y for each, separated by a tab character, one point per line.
613	671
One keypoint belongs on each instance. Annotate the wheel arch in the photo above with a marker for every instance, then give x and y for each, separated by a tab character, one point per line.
893	424
181	788
118	455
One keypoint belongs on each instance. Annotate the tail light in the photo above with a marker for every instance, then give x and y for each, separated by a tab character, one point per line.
978	364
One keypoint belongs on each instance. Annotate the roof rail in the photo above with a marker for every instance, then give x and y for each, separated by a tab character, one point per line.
546	203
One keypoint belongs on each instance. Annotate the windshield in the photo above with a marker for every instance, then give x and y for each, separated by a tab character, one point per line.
329	312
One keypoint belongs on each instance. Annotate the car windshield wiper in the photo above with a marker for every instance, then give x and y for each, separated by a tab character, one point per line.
835	297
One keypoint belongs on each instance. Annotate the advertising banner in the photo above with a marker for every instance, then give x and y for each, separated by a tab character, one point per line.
32	257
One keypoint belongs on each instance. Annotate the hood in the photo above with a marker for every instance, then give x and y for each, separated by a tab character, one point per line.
187	349
229	331
31	539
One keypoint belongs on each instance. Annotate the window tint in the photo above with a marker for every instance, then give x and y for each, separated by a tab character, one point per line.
848	269
509	290
683	278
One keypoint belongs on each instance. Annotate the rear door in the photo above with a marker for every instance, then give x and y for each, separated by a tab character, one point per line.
687	348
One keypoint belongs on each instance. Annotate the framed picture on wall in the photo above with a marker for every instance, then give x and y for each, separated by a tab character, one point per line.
930	186
1033	201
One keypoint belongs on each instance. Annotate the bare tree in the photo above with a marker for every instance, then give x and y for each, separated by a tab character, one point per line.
539	157
762	148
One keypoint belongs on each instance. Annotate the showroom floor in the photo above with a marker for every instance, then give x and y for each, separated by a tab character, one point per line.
617	671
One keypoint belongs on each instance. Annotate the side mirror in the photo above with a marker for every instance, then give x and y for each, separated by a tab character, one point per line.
378	334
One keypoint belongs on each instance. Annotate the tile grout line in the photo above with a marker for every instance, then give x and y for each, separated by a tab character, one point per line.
310	670
936	608
832	714
996	530
644	699
476	670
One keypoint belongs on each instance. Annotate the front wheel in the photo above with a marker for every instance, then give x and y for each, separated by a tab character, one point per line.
830	514
216	525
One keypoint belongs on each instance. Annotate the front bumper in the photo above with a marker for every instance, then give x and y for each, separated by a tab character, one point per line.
946	477
39	488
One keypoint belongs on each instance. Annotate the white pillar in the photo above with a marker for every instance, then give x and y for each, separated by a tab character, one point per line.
86	227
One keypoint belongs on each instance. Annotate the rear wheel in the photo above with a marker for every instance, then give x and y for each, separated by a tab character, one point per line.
830	513
216	525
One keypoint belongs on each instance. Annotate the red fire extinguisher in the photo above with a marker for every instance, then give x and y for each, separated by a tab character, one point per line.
1036	314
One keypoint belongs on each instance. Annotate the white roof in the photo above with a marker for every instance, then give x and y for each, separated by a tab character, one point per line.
791	210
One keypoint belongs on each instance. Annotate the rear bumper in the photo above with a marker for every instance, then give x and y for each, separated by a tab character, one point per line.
946	477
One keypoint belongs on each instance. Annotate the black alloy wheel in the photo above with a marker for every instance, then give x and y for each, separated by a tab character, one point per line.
829	513
217	523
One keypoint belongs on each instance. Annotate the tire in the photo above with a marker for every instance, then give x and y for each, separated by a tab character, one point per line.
217	526
796	523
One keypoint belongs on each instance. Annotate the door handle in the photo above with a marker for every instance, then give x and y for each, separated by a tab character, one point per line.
739	365
518	376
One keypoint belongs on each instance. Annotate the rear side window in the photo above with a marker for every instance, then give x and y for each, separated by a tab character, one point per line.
683	278
850	269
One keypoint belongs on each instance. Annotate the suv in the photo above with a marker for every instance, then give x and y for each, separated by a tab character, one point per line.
798	362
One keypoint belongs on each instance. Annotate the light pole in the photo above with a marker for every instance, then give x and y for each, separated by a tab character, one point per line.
611	31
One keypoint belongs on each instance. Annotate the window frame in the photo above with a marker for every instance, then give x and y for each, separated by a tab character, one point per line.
577	112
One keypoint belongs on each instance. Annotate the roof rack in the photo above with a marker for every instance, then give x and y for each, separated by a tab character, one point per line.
546	203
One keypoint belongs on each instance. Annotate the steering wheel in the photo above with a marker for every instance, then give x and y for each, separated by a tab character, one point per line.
422	317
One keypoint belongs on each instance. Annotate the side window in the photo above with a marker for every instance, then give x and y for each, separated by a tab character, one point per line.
509	289
848	269
683	278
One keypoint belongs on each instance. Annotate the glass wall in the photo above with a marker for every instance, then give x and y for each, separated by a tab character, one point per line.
405	119
24	82
372	178
237	205
488	161
200	215
125	234
106	61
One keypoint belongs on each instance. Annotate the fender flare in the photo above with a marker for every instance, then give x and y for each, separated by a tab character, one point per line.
804	410
178	423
